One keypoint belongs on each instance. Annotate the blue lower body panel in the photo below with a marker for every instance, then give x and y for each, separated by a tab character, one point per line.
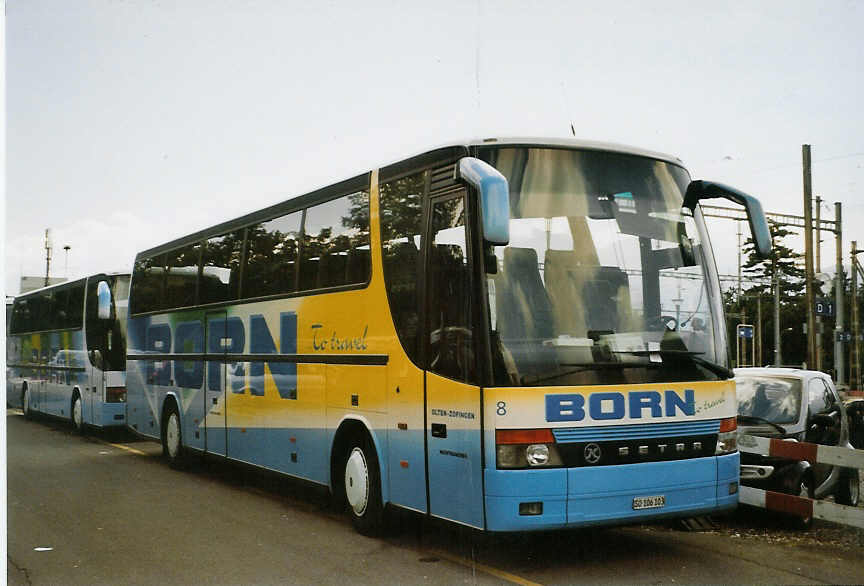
111	415
573	497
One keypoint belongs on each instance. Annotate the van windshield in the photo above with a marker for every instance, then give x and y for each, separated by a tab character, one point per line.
775	399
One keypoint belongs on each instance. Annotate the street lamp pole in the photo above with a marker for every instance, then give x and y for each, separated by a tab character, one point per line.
67	248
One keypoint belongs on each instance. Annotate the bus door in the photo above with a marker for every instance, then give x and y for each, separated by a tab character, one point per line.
94	389
215	398
453	399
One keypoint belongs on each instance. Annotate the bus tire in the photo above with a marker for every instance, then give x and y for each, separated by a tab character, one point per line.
362	486
172	437
77	414
25	403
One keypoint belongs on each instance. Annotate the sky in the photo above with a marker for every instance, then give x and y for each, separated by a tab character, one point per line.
131	123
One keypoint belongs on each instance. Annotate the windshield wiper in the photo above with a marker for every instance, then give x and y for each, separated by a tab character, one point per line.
587	367
756	419
694	357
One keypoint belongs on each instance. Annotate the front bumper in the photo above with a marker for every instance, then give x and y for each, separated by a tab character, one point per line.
575	497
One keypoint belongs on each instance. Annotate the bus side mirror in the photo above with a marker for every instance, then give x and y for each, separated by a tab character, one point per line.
103	297
699	190
494	198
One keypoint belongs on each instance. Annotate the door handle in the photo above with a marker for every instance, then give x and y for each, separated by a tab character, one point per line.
439	430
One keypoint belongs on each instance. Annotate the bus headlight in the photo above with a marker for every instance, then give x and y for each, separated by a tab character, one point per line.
526	448
727	439
537	454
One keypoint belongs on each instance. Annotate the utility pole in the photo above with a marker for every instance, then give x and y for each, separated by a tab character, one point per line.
812	360
839	294
854	366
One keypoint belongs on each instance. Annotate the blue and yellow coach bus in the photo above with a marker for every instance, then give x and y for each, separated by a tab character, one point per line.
508	334
66	351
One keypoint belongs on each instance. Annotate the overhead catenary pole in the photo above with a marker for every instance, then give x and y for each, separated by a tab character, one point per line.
812	361
818	242
758	345
778	355
739	266
818	246
839	362
854	368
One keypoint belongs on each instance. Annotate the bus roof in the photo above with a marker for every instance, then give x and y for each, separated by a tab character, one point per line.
361	182
571	143
66	284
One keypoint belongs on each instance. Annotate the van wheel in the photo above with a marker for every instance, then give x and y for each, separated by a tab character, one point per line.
849	489
172	438
77	414
25	404
362	487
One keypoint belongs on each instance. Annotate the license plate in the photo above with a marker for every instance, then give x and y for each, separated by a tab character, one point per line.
649	502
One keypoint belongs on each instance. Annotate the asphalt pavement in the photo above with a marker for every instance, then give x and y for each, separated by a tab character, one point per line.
107	510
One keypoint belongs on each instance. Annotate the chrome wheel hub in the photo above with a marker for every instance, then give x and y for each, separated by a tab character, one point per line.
357	481
76	413
172	435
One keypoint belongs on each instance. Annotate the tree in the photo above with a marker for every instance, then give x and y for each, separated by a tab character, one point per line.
790	275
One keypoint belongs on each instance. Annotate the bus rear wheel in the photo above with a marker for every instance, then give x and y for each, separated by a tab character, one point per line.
172	438
362	478
77	414
25	404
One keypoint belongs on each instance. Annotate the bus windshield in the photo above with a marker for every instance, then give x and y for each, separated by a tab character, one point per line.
605	279
108	336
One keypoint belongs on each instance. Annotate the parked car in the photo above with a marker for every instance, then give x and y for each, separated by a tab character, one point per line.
797	406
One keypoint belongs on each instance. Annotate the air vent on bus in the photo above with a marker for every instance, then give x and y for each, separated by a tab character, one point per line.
442	178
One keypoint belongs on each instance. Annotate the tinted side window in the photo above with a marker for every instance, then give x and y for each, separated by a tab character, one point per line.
57	316
334	234
401	218
20	316
147	286
220	273
271	257
40	309
181	276
75	307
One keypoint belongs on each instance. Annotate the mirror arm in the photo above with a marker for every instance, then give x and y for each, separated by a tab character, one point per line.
699	190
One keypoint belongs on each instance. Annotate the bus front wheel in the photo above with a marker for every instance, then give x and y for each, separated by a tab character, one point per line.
362	478
172	438
25	404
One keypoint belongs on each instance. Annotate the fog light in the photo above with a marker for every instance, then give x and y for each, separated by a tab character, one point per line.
509	456
733	487
537	454
531	508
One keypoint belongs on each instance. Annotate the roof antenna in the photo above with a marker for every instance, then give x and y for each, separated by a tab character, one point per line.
564	107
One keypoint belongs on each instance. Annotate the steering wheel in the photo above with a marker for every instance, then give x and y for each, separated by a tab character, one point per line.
446	344
661	323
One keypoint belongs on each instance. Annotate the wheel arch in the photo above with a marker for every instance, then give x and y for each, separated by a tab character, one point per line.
167	400
350	426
